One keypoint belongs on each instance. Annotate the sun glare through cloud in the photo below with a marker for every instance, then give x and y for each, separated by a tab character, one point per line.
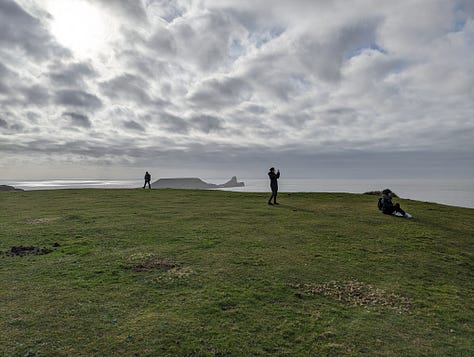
79	26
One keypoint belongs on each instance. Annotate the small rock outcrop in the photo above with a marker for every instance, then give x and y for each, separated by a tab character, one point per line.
232	183
194	183
9	188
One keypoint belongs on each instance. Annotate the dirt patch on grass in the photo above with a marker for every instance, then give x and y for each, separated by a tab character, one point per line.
43	220
29	250
154	263
357	294
169	270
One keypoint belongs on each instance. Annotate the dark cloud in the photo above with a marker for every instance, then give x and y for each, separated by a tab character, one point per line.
78	120
77	98
163	43
167	9
6	76
207	123
71	74
8	127
133	125
147	66
216	93
126	8
21	31
127	87
37	95
173	123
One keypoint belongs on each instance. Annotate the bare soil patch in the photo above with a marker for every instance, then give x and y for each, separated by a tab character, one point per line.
29	250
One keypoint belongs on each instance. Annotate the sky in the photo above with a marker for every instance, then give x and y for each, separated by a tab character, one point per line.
216	88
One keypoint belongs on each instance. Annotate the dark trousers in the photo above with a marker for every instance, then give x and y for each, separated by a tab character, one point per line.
273	196
393	209
147	182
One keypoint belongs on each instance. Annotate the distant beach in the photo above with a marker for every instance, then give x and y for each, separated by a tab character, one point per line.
455	192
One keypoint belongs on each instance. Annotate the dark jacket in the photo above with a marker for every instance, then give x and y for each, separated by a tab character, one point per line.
147	177
387	204
273	180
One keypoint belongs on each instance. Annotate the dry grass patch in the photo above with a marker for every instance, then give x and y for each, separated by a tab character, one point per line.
154	263
357	294
43	220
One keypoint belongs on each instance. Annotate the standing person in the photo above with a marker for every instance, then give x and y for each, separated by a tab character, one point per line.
273	185
147	180
387	207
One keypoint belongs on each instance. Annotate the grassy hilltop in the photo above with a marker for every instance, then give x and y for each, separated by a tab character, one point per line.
174	273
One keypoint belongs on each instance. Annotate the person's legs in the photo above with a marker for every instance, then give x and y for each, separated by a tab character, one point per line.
271	197
275	193
398	209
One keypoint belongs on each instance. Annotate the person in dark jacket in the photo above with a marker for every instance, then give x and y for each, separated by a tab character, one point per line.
147	180
273	185
387	206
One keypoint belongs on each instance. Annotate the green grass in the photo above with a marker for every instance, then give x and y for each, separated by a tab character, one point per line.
222	273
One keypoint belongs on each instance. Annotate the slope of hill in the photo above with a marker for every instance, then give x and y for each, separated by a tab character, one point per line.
173	273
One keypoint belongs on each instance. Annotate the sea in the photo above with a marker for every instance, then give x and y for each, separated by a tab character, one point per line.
454	192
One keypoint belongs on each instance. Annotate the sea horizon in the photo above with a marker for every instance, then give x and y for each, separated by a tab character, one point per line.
454	192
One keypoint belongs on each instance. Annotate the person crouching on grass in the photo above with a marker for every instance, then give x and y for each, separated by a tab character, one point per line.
387	207
273	185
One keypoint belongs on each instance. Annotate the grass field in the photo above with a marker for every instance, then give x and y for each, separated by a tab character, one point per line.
212	273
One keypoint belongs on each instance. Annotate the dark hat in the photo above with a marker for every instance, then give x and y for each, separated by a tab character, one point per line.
386	191
272	169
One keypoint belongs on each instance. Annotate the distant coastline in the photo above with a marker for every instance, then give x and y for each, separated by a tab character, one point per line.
454	192
194	183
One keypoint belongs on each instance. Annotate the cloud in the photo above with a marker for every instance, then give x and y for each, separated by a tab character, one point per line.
220	92
24	34
78	120
9	128
71	74
173	123
133	125
36	94
77	98
269	80
207	123
134	10
127	87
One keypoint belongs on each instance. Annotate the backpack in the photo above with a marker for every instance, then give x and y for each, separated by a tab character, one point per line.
380	204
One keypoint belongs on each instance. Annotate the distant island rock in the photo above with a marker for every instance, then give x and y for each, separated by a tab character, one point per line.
9	188
194	183
378	193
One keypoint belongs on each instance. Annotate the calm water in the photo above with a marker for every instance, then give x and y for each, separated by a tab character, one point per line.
450	192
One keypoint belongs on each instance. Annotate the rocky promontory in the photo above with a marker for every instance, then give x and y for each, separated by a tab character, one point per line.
194	183
9	188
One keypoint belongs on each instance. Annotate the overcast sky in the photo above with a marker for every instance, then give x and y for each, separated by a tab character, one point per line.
215	88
